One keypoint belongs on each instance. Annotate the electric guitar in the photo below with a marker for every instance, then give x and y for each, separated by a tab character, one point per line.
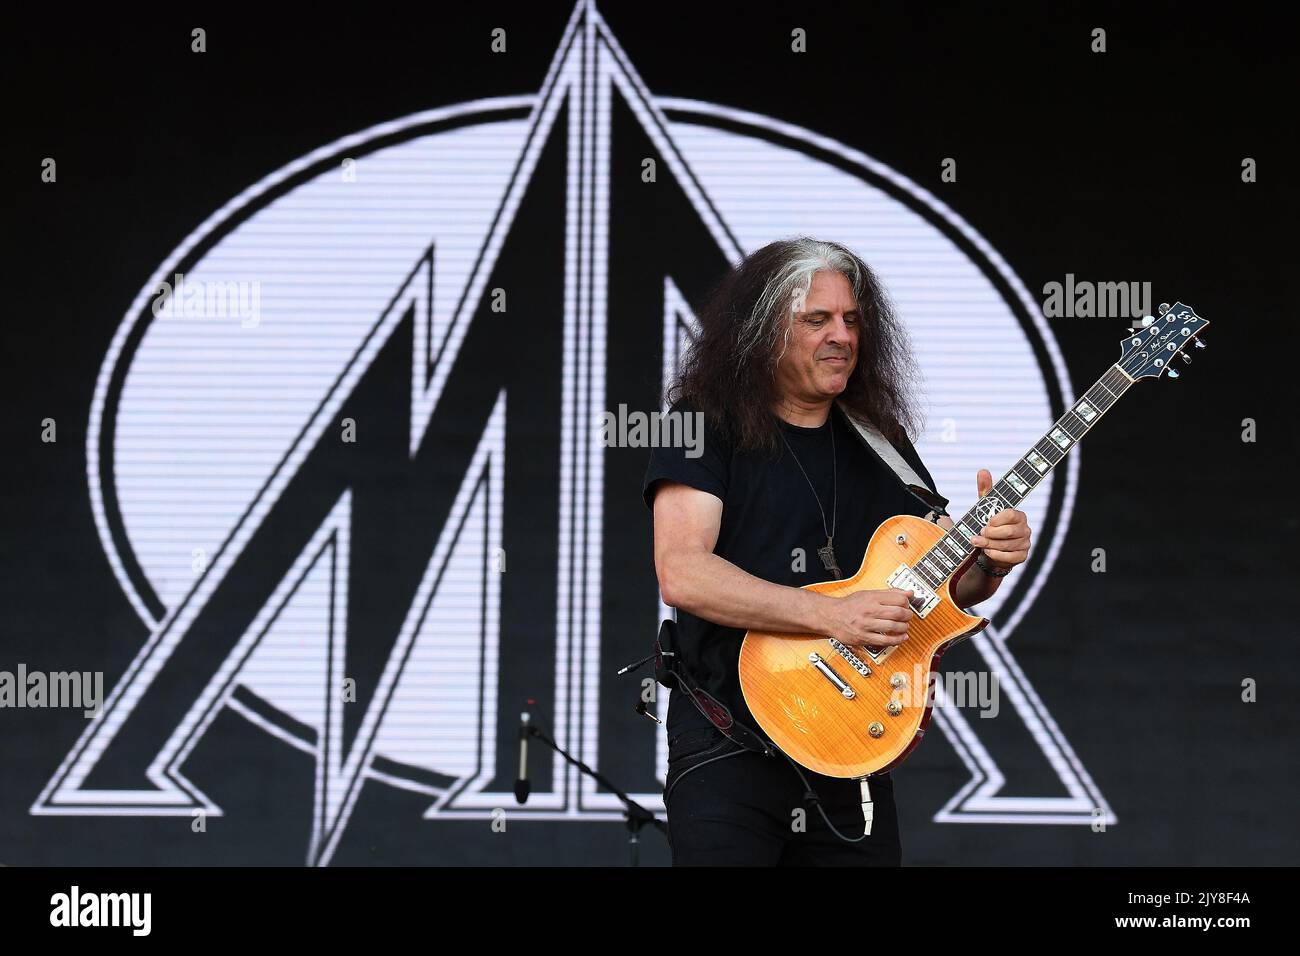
857	711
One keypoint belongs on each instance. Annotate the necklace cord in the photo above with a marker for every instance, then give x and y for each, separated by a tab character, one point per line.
835	484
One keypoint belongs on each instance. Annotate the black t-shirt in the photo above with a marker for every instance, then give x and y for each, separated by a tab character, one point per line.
768	512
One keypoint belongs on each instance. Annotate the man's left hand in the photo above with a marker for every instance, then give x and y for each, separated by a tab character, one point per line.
1005	539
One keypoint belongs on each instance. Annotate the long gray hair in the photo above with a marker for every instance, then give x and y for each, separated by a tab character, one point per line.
729	369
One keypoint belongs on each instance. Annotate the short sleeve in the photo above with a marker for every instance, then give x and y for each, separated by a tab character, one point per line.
701	459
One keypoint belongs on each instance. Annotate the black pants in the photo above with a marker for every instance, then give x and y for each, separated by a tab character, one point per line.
732	807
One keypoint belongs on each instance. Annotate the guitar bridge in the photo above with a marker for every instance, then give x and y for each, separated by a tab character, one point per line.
923	598
858	664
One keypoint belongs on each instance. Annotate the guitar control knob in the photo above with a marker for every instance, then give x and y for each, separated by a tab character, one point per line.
898	680
876	729
895	707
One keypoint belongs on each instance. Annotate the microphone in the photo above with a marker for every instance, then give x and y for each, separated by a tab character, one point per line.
522	785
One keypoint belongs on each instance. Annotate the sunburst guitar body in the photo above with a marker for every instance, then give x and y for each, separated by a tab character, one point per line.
853	712
857	711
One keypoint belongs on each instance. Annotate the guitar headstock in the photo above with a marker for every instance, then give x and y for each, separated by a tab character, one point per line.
1150	351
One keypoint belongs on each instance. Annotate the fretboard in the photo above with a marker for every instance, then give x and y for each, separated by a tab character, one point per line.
937	564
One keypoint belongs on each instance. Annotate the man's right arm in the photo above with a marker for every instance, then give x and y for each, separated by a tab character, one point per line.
693	578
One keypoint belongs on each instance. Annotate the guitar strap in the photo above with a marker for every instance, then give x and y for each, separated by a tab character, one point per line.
671	671
891	458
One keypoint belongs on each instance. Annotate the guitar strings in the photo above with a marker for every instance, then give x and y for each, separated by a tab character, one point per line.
1115	382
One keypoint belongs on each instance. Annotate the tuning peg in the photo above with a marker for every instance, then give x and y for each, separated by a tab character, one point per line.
1200	344
1147	320
1164	307
1173	372
1185	357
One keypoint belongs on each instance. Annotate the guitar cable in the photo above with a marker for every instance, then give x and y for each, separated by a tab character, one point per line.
810	795
702	763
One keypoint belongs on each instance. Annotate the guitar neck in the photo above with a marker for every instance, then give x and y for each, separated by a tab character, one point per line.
937	564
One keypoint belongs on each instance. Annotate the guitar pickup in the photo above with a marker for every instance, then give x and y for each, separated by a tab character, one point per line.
923	599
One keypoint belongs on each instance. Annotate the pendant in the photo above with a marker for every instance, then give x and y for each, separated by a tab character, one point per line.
827	554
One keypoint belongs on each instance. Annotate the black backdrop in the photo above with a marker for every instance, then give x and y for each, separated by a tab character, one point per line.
1113	166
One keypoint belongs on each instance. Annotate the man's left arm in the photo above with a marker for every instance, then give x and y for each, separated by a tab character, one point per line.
1003	544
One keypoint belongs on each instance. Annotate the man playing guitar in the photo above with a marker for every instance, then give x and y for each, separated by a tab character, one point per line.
795	340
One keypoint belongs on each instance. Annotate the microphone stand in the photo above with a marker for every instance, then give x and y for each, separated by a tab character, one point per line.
635	815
